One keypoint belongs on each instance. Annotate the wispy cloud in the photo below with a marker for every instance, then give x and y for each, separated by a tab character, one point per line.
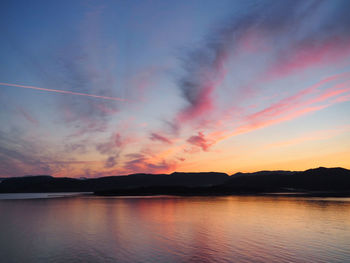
157	137
305	101
29	117
113	147
311	44
200	141
116	104
139	163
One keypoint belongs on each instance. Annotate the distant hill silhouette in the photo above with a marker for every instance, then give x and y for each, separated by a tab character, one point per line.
319	179
335	181
30	184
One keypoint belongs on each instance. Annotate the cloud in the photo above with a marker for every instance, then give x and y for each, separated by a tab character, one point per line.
265	45
111	161
157	137
204	72
20	157
114	142
304	34
77	74
75	147
112	148
308	100
283	39
29	117
200	141
140	163
85	70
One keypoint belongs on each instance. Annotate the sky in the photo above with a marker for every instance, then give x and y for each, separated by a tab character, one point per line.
100	88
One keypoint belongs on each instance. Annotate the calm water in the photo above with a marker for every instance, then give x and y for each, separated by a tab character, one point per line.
175	229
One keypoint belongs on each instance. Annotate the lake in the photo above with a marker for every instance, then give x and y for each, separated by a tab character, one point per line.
174	229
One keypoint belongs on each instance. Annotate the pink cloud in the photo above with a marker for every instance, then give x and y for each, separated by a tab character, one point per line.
342	99
261	121
299	57
307	56
291	102
298	100
113	148
200	141
202	80
115	143
161	138
305	101
203	104
141	164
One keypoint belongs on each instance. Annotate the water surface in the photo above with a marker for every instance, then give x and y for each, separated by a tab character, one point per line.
175	229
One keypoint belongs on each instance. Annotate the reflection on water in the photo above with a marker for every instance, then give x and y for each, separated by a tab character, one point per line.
175	229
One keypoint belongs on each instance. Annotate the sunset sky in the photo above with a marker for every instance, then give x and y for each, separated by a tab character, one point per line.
98	88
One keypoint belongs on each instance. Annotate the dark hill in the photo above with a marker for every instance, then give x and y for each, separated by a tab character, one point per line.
335	180
319	179
30	184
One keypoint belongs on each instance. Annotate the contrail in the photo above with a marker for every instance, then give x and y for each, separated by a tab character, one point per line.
62	91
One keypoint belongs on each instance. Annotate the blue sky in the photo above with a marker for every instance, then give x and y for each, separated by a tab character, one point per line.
205	85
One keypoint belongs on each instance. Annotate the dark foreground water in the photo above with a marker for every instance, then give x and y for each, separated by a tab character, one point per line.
175	229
